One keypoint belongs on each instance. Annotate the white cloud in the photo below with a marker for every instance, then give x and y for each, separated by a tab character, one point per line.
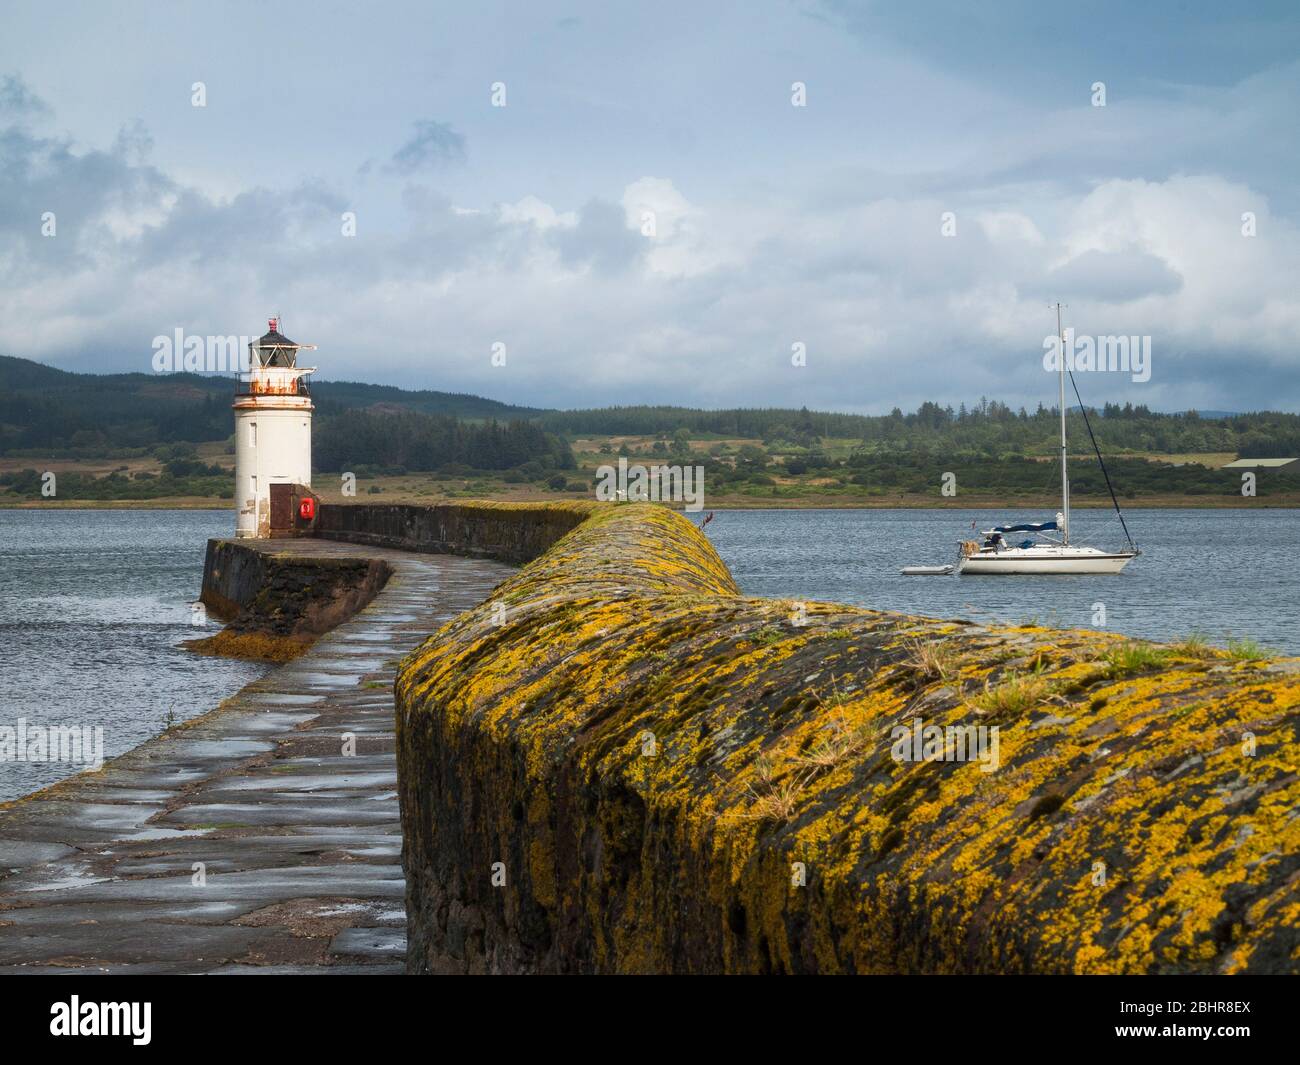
593	312
542	215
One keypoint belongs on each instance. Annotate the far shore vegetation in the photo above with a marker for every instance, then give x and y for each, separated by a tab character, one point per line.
141	440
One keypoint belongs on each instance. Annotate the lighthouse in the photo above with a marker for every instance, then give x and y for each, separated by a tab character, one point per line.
272	430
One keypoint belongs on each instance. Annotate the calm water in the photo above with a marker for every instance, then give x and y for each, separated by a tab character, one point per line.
92	606
1226	574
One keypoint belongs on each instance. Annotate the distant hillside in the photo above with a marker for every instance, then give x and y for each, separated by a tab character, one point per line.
46	409
46	412
331	396
988	427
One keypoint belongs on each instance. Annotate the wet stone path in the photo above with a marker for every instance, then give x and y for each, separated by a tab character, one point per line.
248	840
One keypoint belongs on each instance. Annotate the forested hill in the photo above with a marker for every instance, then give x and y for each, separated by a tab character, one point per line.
43	408
989	428
47	411
332	396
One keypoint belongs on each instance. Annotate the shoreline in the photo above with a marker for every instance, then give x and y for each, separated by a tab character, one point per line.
732	503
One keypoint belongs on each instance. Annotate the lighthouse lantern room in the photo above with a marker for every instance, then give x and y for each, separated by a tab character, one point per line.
272	428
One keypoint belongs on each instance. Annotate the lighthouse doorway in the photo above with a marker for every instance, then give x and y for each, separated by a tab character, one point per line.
281	507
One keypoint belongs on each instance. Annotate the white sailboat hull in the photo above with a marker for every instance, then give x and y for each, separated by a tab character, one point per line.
1046	560
995	555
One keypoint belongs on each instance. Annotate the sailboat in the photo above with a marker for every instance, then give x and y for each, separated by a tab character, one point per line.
1048	548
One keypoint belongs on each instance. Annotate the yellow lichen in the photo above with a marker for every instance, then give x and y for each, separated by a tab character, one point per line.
665	754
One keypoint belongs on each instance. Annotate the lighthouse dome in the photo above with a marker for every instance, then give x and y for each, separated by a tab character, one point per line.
276	349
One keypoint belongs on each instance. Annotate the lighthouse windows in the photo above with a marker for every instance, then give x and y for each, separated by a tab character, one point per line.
252	434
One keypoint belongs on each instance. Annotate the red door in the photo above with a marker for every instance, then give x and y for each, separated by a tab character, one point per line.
281	508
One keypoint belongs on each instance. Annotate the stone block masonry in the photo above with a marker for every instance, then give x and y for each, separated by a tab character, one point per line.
507	532
620	764
276	601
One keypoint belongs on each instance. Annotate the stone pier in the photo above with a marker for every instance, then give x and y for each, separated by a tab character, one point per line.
611	760
255	838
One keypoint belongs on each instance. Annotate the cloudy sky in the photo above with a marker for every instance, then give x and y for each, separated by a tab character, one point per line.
772	224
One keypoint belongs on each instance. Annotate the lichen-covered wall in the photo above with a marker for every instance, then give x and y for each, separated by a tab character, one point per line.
510	532
276	603
619	764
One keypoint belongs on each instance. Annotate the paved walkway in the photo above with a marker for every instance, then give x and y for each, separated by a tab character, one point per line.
299	843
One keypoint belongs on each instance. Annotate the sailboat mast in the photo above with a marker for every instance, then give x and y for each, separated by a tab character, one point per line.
1065	477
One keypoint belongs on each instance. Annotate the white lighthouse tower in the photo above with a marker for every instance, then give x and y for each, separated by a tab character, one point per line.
272	428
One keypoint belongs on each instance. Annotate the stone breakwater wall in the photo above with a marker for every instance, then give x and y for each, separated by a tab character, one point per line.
618	763
508	532
276	604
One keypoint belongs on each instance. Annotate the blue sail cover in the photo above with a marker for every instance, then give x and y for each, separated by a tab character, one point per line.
1030	527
